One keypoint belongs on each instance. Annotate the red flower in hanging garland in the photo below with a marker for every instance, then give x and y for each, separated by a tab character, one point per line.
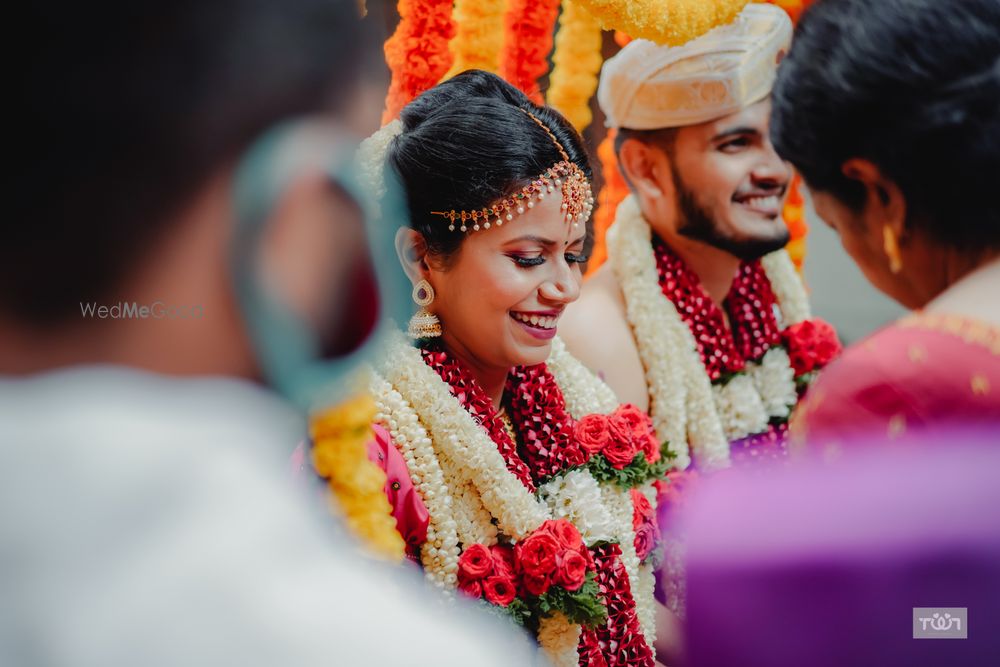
529	28
417	53
750	304
538	411
472	397
622	628
811	345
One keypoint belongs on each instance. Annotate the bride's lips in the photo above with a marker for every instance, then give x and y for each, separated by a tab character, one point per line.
539	324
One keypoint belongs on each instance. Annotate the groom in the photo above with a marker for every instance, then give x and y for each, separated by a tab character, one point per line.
698	316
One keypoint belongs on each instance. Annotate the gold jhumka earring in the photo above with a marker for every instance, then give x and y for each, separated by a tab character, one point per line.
424	324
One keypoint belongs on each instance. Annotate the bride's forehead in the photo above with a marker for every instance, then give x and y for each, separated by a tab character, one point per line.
546	219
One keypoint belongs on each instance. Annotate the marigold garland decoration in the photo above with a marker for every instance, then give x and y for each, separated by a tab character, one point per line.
670	22
417	53
340	455
478	41
614	191
528	30
795	217
575	65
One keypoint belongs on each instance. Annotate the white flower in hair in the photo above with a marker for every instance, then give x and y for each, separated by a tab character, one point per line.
371	157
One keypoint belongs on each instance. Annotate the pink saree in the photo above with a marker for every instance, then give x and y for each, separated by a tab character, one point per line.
924	370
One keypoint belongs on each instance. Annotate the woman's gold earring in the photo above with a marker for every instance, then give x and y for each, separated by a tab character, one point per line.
424	324
891	246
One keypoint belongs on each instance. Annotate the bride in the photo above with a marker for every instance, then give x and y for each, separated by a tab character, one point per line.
518	483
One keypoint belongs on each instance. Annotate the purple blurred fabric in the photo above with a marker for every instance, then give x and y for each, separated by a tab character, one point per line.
821	564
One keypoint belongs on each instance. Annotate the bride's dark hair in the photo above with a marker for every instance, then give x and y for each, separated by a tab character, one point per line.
465	144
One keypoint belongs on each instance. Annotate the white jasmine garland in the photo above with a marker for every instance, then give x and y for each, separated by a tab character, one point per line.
740	407
439	553
619	503
576	496
774	378
787	287
665	345
584	392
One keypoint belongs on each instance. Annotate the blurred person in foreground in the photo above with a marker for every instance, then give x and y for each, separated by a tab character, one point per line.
818	564
896	130
178	246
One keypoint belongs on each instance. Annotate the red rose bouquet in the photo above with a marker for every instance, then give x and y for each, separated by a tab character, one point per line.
811	345
623	447
550	570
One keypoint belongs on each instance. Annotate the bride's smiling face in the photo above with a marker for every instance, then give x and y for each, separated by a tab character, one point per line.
500	297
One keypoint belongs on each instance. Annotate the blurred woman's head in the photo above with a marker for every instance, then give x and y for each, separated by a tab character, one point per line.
468	145
891	111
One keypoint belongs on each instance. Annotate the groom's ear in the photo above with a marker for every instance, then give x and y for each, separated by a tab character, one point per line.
642	165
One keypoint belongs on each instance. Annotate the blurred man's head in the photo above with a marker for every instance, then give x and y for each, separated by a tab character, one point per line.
891	112
693	133
141	116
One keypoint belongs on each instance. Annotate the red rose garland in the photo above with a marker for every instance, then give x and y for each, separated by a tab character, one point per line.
554	555
751	312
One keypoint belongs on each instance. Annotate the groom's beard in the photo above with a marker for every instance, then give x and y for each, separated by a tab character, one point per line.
696	223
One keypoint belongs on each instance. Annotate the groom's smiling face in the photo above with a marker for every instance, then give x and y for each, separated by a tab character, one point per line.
723	183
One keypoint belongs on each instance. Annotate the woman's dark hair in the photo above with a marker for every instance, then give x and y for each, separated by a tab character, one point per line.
465	144
913	86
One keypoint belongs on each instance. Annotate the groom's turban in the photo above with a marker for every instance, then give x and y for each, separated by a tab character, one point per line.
647	86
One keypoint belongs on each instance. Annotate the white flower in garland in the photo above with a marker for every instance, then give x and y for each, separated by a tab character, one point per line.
577	496
665	346
740	407
774	378
371	158
584	392
633	263
440	551
787	287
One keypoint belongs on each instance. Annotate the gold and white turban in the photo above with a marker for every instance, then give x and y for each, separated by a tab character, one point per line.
647	86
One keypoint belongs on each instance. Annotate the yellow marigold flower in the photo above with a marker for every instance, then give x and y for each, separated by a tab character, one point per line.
670	22
576	64
479	38
357	486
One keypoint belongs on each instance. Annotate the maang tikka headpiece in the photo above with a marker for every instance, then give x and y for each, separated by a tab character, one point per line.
577	196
